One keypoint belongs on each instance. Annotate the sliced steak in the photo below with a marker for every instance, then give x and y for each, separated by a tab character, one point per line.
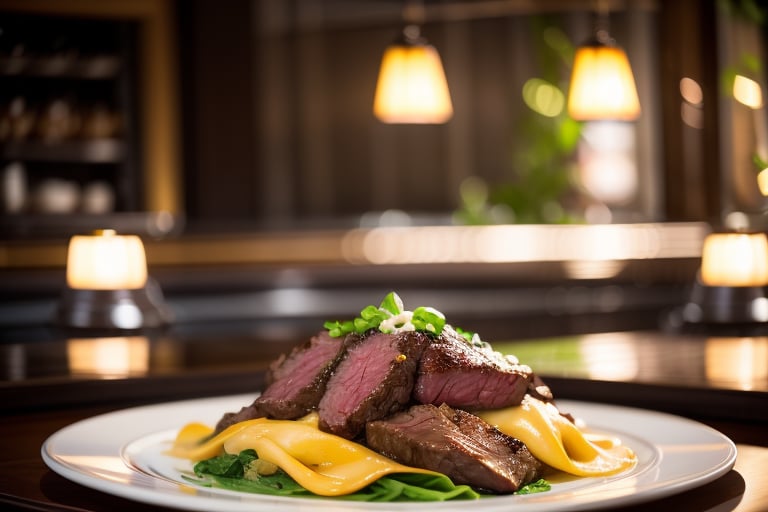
456	443
462	374
374	379
296	382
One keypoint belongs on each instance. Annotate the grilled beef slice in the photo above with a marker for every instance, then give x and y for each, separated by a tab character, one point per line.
456	443
456	372
296	382
373	380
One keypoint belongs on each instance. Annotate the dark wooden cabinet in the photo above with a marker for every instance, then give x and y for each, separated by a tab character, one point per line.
68	103
87	117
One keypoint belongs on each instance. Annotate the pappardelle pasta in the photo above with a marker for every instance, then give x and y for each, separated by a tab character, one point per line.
412	433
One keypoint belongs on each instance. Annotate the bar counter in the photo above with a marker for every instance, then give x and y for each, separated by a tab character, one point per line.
46	385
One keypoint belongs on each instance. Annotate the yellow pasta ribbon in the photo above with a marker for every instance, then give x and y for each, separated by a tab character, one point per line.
556	441
322	463
191	442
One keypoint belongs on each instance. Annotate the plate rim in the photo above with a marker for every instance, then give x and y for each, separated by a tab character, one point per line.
159	491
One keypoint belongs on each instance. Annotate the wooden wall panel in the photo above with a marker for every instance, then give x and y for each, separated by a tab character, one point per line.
317	156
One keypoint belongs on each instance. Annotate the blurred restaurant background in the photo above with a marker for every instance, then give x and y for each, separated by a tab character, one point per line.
238	142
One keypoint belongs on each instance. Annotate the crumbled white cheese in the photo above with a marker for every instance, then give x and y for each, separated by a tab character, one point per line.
398	323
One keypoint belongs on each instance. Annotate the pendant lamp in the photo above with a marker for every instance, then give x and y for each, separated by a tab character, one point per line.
411	86
602	85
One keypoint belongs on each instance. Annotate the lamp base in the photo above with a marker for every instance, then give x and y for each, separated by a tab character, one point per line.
717	309
114	309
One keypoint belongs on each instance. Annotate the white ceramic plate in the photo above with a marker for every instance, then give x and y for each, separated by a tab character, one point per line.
121	453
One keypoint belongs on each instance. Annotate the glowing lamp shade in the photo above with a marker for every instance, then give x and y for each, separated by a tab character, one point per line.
602	85
106	261
729	296
735	259
108	287
411	86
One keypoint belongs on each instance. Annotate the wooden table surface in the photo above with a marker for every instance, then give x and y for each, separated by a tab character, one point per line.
41	391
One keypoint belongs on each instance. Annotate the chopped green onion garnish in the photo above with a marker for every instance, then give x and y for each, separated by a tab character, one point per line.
424	319
428	320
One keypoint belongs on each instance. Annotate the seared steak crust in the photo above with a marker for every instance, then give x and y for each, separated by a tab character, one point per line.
374	379
296	382
458	373
456	443
364	387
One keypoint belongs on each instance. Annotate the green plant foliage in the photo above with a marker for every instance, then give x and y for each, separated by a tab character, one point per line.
230	471
542	163
748	64
755	11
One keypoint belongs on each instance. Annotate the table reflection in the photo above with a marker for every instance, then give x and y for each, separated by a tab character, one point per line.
114	357
728	363
717	376
737	362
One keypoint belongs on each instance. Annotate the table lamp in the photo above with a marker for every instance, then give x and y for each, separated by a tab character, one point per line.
730	286
108	286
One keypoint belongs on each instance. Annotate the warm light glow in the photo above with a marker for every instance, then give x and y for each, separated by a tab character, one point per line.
593	269
610	357
106	261
691	91
737	361
602	85
747	92
606	161
520	243
692	115
762	181
691	108
108	357
609	177
412	87
735	259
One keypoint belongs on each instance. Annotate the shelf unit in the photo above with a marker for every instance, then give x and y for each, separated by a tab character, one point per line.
106	151
68	115
87	113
